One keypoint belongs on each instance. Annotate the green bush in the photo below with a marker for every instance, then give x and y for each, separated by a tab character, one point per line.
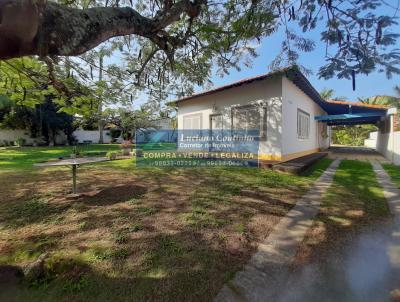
351	135
20	142
115	133
112	155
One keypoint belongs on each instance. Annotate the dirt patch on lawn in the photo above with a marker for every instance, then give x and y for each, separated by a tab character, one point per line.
114	194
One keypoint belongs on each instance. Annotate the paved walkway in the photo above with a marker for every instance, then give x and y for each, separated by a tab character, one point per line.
368	269
260	278
355	153
392	194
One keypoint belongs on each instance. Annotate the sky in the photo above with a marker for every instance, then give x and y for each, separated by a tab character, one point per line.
371	85
366	86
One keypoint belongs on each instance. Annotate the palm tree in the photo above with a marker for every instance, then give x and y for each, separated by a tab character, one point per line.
327	93
397	89
383	100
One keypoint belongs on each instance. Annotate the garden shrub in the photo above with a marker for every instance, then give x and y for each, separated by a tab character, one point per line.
112	155
20	142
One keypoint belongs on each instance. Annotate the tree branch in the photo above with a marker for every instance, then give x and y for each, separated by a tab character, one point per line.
65	31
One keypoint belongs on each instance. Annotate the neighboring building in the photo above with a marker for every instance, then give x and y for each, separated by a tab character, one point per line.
283	105
165	123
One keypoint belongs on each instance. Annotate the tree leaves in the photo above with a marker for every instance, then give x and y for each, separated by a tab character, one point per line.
224	35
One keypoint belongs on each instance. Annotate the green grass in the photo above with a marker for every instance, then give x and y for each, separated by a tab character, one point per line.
190	227
353	204
23	158
355	185
226	183
27	212
394	173
318	168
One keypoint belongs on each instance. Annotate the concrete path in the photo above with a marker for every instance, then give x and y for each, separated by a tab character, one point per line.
391	192
368	269
259	279
355	153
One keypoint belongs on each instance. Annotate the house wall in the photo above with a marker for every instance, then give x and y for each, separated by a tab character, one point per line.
163	124
388	145
372	140
267	91
92	135
61	139
11	135
292	100
387	142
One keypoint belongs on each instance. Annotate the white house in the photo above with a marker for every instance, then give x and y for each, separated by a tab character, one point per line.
273	103
292	117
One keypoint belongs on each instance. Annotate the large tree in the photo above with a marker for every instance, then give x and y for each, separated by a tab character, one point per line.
129	121
167	46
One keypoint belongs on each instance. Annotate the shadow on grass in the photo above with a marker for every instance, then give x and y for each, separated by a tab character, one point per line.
173	268
36	210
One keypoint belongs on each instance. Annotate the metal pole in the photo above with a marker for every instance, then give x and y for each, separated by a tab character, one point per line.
74	179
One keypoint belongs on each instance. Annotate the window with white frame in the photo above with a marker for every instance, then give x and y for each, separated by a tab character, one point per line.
251	117
192	122
303	124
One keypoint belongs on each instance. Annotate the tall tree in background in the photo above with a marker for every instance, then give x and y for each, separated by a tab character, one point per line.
100	98
53	121
329	95
386	100
397	90
129	121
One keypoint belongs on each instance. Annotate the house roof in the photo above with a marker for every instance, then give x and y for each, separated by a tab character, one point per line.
358	104
294	74
235	84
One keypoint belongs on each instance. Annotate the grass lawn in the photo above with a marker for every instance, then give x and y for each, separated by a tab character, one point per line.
144	234
394	173
353	203
23	158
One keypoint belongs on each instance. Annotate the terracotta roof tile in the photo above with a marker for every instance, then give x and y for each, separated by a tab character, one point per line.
359	104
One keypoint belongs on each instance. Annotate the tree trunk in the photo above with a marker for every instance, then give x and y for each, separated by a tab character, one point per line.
100	108
39	27
54	132
51	138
